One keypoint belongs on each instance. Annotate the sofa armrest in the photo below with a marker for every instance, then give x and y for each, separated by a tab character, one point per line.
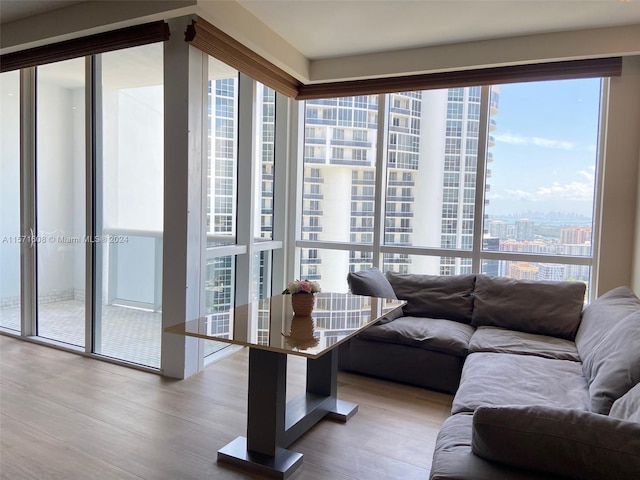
572	443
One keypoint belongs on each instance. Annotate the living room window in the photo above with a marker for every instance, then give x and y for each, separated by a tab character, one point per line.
526	156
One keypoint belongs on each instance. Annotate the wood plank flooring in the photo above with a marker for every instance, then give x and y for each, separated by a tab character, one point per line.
64	416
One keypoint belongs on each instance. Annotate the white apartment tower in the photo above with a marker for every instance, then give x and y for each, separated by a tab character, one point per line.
430	185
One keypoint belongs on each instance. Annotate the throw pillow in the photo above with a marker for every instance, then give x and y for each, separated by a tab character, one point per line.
370	282
627	407
601	315
614	368
544	308
563	442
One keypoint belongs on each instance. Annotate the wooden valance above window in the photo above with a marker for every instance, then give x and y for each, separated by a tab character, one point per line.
590	68
80	47
215	42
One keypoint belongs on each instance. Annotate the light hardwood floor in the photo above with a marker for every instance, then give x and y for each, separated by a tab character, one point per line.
64	416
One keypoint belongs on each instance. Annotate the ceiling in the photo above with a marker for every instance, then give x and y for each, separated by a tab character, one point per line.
320	29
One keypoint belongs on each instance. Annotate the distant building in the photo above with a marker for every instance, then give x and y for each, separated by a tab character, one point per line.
491	267
522	271
575	235
498	229
551	272
524	229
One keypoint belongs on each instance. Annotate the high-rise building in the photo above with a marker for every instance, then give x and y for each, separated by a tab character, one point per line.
524	229
575	235
432	143
491	267
551	272
498	229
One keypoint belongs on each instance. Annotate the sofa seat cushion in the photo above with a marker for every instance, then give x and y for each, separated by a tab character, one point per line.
435	296
498	379
558	441
544	308
500	340
454	460
434	334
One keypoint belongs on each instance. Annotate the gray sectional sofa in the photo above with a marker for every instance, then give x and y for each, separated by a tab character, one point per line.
544	388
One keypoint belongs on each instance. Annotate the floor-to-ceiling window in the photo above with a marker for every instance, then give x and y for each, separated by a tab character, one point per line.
239	198
60	201
542	171
10	234
129	205
98	199
496	179
94	215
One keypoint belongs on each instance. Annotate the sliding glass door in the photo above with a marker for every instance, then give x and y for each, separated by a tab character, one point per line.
60	201
129	205
10	240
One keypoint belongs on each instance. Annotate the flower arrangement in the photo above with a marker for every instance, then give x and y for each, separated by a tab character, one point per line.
302	286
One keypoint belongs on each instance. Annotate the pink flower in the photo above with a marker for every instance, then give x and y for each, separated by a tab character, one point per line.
306	286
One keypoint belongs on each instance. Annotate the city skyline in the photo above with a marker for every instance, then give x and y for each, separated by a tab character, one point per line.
545	147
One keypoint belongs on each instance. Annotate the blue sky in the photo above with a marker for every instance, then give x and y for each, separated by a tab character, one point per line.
545	151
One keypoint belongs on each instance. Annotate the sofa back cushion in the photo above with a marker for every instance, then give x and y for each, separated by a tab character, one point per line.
435	296
545	308
613	367
601	315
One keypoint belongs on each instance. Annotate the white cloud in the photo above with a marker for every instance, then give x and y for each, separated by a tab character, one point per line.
515	139
574	191
589	173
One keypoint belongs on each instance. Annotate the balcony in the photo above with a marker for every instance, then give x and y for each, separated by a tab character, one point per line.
344	161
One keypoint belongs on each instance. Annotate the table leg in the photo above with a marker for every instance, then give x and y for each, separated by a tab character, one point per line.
322	379
262	450
272	424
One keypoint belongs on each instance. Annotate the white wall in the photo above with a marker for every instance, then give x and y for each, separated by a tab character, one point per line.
620	188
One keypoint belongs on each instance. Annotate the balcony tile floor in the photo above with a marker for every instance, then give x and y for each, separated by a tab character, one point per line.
128	334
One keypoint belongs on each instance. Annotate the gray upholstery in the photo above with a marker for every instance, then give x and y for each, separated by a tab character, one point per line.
435	296
627	407
545	308
506	349
613	368
500	340
601	315
405	364
572	443
437	335
370	282
505	379
453	459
